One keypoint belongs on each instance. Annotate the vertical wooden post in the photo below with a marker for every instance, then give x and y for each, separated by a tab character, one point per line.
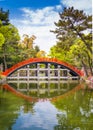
38	67
48	71
36	70
58	87
68	74
18	74
58	72
38	89
48	89
18	85
28	72
28	87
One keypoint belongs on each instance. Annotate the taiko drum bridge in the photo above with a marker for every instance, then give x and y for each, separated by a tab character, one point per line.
43	68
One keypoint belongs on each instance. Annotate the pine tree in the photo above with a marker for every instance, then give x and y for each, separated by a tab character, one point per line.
76	22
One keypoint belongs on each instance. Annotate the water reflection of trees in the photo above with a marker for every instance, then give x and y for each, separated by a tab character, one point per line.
28	107
10	106
77	111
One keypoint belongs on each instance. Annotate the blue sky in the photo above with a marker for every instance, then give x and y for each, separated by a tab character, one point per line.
15	5
37	17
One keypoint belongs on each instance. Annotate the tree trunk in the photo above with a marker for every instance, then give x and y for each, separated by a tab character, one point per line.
5	63
90	68
90	63
85	68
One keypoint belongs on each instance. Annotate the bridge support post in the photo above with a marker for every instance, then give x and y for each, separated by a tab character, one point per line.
48	89
18	85
68	74
18	74
38	90
58	72
28	72
38	67
58	87
48	71
36	70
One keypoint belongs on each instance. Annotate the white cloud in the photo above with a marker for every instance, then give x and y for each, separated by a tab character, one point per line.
85	5
59	7
39	23
43	16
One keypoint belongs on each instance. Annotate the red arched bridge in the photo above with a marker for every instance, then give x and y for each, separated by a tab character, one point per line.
42	68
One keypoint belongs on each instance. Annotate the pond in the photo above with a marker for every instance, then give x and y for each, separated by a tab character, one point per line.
49	105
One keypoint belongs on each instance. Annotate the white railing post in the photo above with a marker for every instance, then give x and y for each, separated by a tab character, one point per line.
48	71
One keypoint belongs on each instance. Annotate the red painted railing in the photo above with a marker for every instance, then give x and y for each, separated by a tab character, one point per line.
19	94
77	88
34	99
35	60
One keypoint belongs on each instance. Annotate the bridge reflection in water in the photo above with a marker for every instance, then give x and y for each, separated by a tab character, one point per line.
43	88
56	112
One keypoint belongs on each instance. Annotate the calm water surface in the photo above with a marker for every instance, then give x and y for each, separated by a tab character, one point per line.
46	106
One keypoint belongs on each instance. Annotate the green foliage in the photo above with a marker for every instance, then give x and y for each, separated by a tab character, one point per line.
9	38
76	22
2	39
10	33
9	47
76	110
25	53
11	50
73	45
10	106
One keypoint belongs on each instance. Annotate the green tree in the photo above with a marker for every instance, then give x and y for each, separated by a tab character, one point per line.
72	25
75	21
9	35
2	39
8	52
40	54
81	56
62	47
12	50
